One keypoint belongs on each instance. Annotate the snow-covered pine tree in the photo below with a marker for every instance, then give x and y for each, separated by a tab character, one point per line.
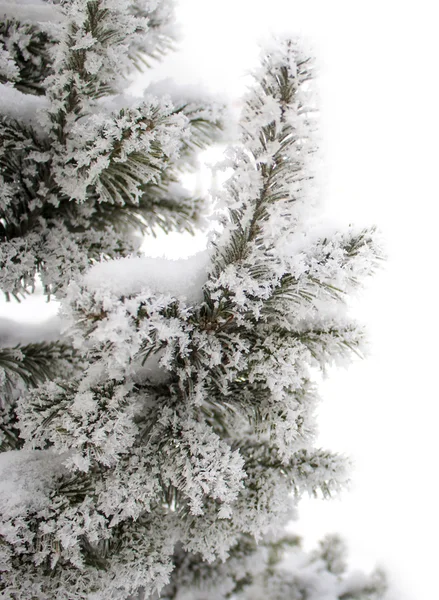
83	165
187	434
273	570
85	169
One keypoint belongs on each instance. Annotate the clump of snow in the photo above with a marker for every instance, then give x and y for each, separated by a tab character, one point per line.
117	102
36	11
183	278
177	93
194	95
152	369
27	476
22	107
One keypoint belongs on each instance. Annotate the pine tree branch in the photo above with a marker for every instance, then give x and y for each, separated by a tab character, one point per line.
29	49
34	363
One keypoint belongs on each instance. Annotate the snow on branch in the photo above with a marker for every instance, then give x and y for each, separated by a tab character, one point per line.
22	107
181	278
34	11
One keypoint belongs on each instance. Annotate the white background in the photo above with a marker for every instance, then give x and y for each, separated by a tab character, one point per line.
380	123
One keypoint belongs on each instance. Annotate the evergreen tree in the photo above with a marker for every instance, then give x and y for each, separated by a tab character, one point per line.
163	444
84	168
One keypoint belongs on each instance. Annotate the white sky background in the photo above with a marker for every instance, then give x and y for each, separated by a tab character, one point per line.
380	125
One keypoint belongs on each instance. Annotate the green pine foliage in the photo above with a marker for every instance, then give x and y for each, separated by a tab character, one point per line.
162	445
32	363
84	169
49	87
